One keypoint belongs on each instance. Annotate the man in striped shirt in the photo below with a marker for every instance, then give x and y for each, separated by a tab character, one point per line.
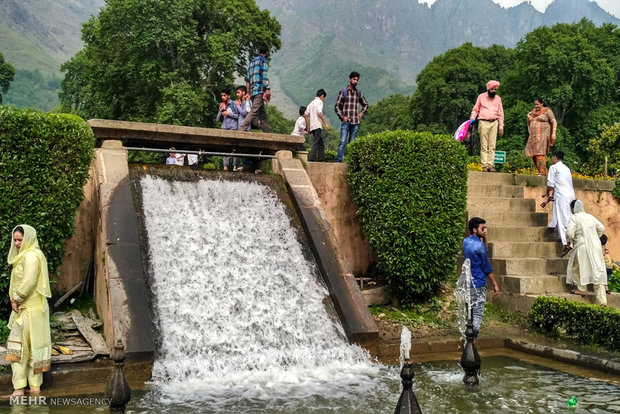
257	85
347	106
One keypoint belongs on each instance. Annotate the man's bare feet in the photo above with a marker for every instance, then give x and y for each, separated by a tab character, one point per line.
35	390
18	393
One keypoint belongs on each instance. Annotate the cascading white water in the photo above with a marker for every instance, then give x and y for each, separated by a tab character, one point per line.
240	311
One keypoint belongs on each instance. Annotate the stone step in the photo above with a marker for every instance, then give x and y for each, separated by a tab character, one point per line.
478	177
522	234
529	266
537	284
501	204
508	218
495	190
543	250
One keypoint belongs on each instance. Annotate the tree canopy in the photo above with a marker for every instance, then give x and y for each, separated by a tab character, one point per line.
7	71
574	67
164	61
388	114
449	84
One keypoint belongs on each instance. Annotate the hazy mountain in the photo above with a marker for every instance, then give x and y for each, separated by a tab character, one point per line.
387	41
323	40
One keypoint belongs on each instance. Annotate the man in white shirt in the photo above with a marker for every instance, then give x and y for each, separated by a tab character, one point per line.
560	191
300	124
315	114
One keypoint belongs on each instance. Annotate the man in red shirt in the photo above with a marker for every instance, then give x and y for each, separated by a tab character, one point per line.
490	113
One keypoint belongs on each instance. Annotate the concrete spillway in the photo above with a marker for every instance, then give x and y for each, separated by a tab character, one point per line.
239	306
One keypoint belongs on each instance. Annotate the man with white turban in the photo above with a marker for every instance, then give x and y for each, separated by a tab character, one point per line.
490	114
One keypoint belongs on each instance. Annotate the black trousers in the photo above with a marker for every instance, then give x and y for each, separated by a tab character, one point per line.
317	152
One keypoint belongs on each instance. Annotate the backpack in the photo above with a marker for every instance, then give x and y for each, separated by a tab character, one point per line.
357	92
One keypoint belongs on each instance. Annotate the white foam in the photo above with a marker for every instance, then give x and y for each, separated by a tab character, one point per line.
239	309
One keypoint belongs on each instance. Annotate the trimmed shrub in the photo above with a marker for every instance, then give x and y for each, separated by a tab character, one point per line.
616	190
411	189
589	324
44	161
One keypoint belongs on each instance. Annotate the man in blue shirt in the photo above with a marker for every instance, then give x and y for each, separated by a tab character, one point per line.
257	85
475	249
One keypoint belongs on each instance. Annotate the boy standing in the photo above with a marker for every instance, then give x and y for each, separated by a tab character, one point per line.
314	112
228	116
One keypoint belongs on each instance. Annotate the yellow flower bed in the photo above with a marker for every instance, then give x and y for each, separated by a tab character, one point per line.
589	177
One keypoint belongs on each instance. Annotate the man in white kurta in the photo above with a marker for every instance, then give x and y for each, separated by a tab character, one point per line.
586	264
560	182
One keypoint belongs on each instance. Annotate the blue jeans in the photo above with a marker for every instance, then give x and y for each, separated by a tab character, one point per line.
346	129
478	299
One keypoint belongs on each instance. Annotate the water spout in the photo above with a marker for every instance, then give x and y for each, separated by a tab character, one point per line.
405	345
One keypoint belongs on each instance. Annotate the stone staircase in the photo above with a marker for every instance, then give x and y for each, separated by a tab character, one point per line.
524	252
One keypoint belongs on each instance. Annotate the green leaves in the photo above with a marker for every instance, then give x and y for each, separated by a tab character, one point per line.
7	71
164	61
44	161
410	189
588	324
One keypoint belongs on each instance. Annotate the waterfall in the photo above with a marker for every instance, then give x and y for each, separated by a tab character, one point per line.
240	311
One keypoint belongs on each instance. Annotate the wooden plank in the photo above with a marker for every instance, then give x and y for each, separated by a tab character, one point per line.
93	338
66	295
78	356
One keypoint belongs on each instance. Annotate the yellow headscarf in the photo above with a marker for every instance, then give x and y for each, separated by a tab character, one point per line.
30	244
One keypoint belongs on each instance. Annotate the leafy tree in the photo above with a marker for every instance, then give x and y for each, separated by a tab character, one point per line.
7	71
388	114
606	145
574	67
448	86
149	60
278	123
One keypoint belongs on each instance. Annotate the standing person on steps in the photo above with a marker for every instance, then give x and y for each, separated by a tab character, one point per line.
489	111
560	191
586	264
347	108
257	87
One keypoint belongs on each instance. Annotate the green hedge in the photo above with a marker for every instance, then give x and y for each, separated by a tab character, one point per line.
589	324
616	190
44	161
411	189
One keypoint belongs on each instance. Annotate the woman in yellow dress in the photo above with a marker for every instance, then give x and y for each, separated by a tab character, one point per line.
29	345
542	126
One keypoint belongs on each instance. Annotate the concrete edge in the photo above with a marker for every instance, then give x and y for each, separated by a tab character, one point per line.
348	300
121	291
565	355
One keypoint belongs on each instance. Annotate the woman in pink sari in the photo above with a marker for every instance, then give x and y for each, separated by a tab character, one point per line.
542	126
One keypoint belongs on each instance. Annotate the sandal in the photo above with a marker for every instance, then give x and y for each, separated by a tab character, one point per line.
578	293
565	251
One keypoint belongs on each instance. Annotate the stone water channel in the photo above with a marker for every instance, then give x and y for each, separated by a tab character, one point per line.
245	324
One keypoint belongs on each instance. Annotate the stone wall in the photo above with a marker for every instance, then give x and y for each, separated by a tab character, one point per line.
79	250
597	201
330	182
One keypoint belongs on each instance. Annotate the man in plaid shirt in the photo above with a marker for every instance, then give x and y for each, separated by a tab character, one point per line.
346	107
257	85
